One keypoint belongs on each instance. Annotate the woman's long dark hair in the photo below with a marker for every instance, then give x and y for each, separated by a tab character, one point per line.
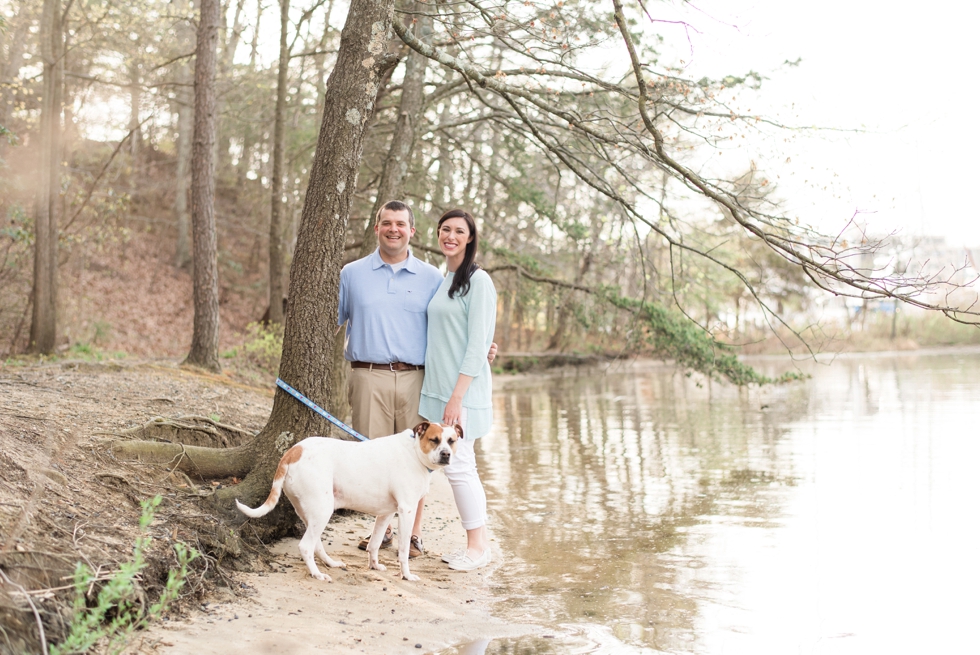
461	280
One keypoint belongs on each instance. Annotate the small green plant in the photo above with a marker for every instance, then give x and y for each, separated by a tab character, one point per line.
102	330
84	351
117	612
263	346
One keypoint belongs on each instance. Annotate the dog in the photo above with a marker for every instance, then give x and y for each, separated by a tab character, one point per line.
379	477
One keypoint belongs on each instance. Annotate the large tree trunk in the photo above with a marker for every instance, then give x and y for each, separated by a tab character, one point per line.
315	275
44	318
390	186
204	344
278	145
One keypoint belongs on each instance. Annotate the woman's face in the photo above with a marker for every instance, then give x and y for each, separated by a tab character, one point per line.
454	234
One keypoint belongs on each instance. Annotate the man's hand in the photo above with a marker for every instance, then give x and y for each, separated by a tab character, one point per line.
492	355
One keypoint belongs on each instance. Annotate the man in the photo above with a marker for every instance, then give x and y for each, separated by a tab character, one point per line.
383	300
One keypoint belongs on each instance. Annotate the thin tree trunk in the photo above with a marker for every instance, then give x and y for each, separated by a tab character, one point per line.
315	275
557	341
185	130
44	318
278	145
204	344
136	137
248	138
229	44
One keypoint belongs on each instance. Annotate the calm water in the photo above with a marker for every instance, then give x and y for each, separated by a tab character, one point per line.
643	513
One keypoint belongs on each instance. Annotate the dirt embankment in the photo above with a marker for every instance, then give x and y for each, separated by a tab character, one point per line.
64	499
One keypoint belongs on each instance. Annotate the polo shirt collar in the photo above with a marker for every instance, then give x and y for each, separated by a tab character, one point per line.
412	265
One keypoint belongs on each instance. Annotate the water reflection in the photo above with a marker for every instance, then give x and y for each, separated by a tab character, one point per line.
707	519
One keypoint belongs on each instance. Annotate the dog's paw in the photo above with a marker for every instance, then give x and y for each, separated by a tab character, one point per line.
319	575
411	577
378	566
337	564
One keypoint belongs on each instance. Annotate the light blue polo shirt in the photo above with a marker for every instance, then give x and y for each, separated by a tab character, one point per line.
385	309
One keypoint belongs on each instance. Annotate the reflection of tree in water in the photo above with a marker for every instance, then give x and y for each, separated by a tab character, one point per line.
598	484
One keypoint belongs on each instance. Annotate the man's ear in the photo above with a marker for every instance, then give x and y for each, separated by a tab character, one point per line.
420	429
459	430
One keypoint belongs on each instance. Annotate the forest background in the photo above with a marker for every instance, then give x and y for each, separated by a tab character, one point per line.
556	247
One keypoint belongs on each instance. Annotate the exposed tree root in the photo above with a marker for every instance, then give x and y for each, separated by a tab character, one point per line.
189	430
197	461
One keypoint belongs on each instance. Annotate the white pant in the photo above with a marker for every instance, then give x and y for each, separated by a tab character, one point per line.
471	499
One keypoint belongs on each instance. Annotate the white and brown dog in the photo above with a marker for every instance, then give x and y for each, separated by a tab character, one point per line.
380	477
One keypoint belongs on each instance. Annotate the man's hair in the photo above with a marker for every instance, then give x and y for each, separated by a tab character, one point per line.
396	206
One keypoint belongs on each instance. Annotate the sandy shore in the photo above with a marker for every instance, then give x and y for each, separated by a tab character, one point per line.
287	611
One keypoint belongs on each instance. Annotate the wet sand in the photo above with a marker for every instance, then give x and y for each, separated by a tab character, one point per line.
287	611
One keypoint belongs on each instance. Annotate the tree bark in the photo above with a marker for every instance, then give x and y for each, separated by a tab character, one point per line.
278	145
204	344
315	275
44	318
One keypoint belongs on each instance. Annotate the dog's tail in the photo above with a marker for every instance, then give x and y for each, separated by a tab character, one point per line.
292	455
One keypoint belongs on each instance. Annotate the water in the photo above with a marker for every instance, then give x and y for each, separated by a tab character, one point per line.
643	513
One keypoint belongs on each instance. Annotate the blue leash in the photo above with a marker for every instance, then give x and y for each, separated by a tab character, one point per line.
319	410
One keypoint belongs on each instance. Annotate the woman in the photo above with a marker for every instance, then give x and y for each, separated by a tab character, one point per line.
457	387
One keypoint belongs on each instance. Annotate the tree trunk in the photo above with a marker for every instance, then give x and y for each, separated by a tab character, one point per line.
44	318
185	130
136	136
395	166
278	145
204	344
248	138
557	341
390	186
229	44
315	275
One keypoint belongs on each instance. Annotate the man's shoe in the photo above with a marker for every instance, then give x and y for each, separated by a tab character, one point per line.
467	563
415	548
385	541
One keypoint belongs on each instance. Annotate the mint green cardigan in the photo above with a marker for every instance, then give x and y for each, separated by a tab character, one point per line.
459	335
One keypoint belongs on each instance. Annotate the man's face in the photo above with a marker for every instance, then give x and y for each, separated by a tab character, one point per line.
393	230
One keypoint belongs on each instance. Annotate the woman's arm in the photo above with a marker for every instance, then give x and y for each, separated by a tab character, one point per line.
481	319
454	407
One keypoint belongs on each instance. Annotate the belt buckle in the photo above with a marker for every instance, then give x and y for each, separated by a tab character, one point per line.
391	367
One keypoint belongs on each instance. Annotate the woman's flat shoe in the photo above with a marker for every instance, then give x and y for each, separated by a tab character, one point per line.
456	554
467	563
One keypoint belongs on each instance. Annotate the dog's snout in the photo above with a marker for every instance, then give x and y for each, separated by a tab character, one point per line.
444	457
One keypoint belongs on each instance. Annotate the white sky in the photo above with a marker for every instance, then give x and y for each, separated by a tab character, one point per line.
904	73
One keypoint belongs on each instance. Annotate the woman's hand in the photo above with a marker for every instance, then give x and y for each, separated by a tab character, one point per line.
453	409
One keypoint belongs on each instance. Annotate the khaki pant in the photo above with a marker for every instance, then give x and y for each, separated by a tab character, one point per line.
384	402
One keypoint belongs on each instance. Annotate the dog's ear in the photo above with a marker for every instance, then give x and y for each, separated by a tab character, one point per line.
420	429
459	430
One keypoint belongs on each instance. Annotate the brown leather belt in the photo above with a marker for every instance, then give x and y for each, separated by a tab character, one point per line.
393	366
